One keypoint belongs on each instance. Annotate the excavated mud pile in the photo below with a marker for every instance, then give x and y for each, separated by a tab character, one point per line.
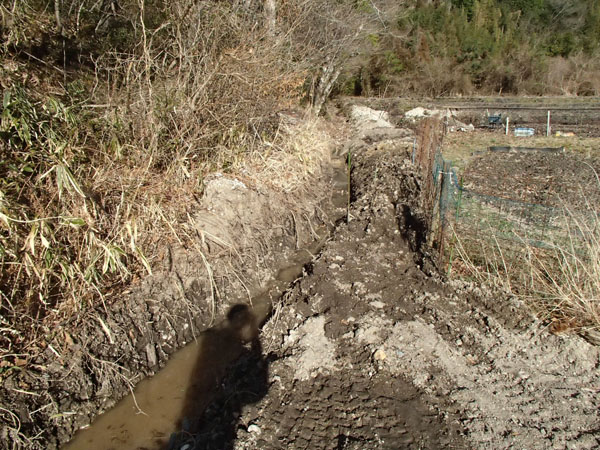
373	349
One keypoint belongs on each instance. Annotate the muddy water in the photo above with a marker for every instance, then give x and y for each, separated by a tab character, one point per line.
146	419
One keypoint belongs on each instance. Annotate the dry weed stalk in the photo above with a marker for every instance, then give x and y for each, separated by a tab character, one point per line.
560	281
12	427
117	371
566	279
101	175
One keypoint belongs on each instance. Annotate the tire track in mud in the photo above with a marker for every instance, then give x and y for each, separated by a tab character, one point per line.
372	349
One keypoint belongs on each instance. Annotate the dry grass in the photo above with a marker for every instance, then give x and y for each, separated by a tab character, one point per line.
565	281
288	163
560	279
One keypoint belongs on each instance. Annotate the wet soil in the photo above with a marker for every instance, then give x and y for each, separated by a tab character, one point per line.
373	349
178	393
240	233
369	347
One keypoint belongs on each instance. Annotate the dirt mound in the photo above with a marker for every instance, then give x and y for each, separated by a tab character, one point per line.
368	119
372	349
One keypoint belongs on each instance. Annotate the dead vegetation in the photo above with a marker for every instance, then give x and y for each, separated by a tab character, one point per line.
533	231
558	281
447	48
114	113
114	117
461	149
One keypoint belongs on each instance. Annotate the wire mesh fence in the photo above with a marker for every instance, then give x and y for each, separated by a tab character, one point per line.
494	233
547	253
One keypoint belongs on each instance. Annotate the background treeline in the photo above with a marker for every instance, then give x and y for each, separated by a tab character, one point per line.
452	47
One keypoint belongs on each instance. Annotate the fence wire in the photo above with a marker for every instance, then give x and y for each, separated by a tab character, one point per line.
489	226
494	232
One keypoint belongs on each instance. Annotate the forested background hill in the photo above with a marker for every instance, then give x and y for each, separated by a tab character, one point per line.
381	47
451	47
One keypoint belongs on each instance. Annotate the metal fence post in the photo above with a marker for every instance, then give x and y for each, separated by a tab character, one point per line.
445	180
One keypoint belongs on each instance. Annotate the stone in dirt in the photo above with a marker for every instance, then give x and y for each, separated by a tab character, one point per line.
420	113
313	352
366	118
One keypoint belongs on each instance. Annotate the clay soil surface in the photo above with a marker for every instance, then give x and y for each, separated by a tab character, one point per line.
372	348
548	178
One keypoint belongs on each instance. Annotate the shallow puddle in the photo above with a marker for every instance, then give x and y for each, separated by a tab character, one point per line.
147	419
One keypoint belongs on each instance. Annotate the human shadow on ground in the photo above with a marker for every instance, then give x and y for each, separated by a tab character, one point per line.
230	372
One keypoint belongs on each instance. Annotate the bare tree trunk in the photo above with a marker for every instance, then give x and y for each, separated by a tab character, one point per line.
270	7
331	70
57	14
329	75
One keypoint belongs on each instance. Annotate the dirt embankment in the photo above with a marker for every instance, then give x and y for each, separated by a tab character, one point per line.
244	226
373	349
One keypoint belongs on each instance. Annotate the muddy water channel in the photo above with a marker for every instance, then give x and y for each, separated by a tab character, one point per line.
168	405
